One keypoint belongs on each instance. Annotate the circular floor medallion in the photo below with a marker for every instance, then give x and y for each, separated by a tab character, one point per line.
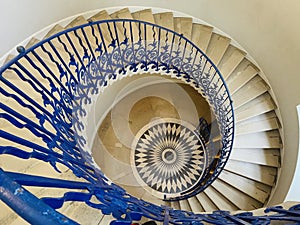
168	157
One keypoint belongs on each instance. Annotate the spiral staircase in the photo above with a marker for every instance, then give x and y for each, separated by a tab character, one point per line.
85	94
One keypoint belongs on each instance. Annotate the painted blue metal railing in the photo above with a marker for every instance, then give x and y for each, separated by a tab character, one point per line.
45	93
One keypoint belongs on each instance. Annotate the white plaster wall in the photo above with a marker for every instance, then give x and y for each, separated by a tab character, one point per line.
295	187
267	29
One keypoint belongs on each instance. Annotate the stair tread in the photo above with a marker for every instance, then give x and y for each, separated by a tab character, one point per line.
183	25
78	39
102	15
261	117
24	88
30	67
80	20
184	205
255	107
112	167
136	191
150	198
164	19
195	205
20	132
268	139
54	30
48	65
22	85
252	188
244	72
127	179
268	157
263	174
125	14
201	35
106	220
102	31
217	47
219	200
8	163
238	198
60	47
231	59
207	204
254	88
85	34
84	214
8	216
144	15
11	103
264	122
12	218
32	42
47	47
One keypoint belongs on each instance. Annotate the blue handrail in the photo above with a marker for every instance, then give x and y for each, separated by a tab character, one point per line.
64	72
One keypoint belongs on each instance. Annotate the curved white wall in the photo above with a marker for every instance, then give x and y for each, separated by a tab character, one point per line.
294	190
267	29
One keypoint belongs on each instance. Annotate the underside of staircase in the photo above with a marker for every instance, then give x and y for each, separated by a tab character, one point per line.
246	182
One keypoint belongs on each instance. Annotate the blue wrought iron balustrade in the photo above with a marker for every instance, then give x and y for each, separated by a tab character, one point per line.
46	92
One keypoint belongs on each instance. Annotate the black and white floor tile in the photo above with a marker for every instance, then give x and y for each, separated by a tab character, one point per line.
168	157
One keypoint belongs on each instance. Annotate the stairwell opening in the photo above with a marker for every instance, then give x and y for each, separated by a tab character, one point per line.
156	101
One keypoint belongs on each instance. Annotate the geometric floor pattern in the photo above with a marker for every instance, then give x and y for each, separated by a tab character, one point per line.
168	157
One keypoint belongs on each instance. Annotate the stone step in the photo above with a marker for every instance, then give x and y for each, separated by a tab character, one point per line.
219	200
72	43
255	189
183	25
206	203
83	214
144	15
267	157
103	27
164	19
243	73
32	42
260	173
126	14
101	15
264	122
236	197
195	205
269	139
106	220
54	30
260	105
201	35
85	34
147	16
254	88
184	205
217	47
230	61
